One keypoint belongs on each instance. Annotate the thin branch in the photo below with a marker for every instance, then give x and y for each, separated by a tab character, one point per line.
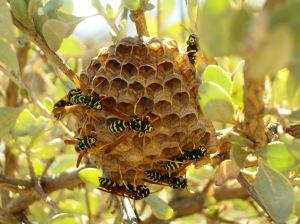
53	57
88	204
253	125
49	184
138	17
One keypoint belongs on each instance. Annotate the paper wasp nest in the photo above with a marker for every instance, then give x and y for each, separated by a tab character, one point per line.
145	76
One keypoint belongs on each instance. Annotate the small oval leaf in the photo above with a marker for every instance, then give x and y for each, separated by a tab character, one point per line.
8	57
238	155
216	74
215	102
159	207
72	47
8	117
275	192
132	4
63	218
277	156
54	31
6	25
90	176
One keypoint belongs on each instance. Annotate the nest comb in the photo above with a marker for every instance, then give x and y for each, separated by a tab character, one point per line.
145	76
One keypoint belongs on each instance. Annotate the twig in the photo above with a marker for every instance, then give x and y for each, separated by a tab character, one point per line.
22	218
253	124
88	204
36	39
129	216
138	17
37	186
49	184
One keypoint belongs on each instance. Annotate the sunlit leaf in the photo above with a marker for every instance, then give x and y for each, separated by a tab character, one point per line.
277	156
109	11
90	176
48	103
8	57
275	192
279	87
238	85
69	20
71	206
6	25
40	150
63	218
159	207
238	155
72	47
8	117
28	124
215	102
274	56
97	5
38	166
216	74
293	145
132	4
63	162
54	36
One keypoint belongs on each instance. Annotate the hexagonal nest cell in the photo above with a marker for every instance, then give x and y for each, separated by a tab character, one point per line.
145	77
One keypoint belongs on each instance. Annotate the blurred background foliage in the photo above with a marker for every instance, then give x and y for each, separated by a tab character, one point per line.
256	38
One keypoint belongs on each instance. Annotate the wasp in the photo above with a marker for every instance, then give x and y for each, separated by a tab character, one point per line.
172	165
165	179
85	143
128	190
195	154
82	145
136	124
192	47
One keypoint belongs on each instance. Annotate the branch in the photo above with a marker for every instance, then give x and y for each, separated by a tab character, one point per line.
37	40
49	185
189	204
253	124
138	17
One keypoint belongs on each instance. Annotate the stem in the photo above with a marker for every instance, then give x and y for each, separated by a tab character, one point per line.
138	17
51	55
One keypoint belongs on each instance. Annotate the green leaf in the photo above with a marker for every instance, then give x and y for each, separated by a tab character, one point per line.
275	192
8	117
52	6
97	5
54	31
237	92
278	157
38	166
34	19
132	4
72	47
90	176
71	206
292	145
279	87
109	11
216	74
149	7
215	102
28	124
48	103
19	9
6	25
50	150
159	207
238	155
275	55
63	162
63	218
69	20
8	57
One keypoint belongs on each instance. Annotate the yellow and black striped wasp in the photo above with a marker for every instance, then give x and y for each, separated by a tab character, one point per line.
193	155
176	182
135	124
134	192
192	47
